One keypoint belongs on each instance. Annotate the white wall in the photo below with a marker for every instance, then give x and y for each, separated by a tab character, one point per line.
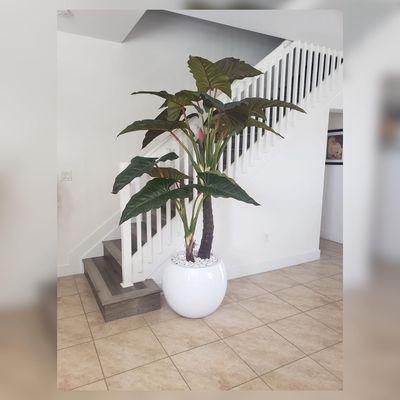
27	153
332	210
95	78
288	183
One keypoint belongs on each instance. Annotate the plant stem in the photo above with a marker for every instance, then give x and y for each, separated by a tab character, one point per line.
208	229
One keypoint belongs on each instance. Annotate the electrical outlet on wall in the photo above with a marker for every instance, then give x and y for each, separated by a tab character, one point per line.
266	237
66	176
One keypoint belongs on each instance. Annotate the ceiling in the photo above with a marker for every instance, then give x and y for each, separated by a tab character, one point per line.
113	25
322	27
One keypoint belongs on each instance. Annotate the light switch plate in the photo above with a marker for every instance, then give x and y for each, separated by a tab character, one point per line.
66	176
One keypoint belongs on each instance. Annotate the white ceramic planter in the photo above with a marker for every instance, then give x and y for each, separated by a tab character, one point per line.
194	292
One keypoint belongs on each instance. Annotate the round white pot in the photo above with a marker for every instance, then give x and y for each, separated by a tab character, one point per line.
194	292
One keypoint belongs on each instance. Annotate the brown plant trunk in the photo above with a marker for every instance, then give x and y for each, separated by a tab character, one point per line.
189	250
208	229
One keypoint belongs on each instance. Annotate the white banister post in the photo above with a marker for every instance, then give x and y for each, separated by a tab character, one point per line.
245	131
289	85
274	113
320	68
253	83
126	246
302	73
237	137
282	88
229	156
295	78
268	111
326	71
149	241
233	167
159	230
314	75
332	69
308	76
335	59
261	85
139	252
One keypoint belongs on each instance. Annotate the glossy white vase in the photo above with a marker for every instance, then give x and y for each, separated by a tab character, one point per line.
194	292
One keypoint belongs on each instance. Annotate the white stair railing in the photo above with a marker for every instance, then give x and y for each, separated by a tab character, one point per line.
295	72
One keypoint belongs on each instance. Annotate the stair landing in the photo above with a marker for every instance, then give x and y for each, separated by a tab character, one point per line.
115	301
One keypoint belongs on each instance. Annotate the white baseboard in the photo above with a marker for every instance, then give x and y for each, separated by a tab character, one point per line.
251	269
270	265
67	269
332	236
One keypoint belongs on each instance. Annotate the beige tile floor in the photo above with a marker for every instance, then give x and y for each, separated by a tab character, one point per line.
279	330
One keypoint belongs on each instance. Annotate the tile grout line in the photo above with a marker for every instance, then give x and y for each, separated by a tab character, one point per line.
170	358
94	344
323	323
100	380
306	354
322	366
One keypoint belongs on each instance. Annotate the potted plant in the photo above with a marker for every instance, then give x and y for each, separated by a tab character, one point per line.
194	284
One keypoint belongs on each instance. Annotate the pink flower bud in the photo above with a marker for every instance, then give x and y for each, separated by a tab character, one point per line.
200	136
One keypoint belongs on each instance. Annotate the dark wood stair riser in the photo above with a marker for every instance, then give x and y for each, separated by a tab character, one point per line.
115	301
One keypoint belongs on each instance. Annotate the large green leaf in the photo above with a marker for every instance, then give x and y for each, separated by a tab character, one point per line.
137	167
171	156
168	173
208	75
237	69
260	124
232	116
164	94
217	184
178	101
153	124
152	133
259	104
153	195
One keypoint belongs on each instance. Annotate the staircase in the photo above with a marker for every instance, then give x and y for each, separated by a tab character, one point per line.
124	278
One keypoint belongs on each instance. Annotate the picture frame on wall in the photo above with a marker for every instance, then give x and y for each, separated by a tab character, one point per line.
334	147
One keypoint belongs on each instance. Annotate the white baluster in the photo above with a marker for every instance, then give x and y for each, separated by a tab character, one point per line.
282	89
139	254
321	51
326	72
252	128
234	165
331	70
296	56
229	157
159	230
244	134
308	76
268	111
237	137
289	85
335	74
149	238
178	228
275	111
314	75
303	49
126	244
261	86
168	222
